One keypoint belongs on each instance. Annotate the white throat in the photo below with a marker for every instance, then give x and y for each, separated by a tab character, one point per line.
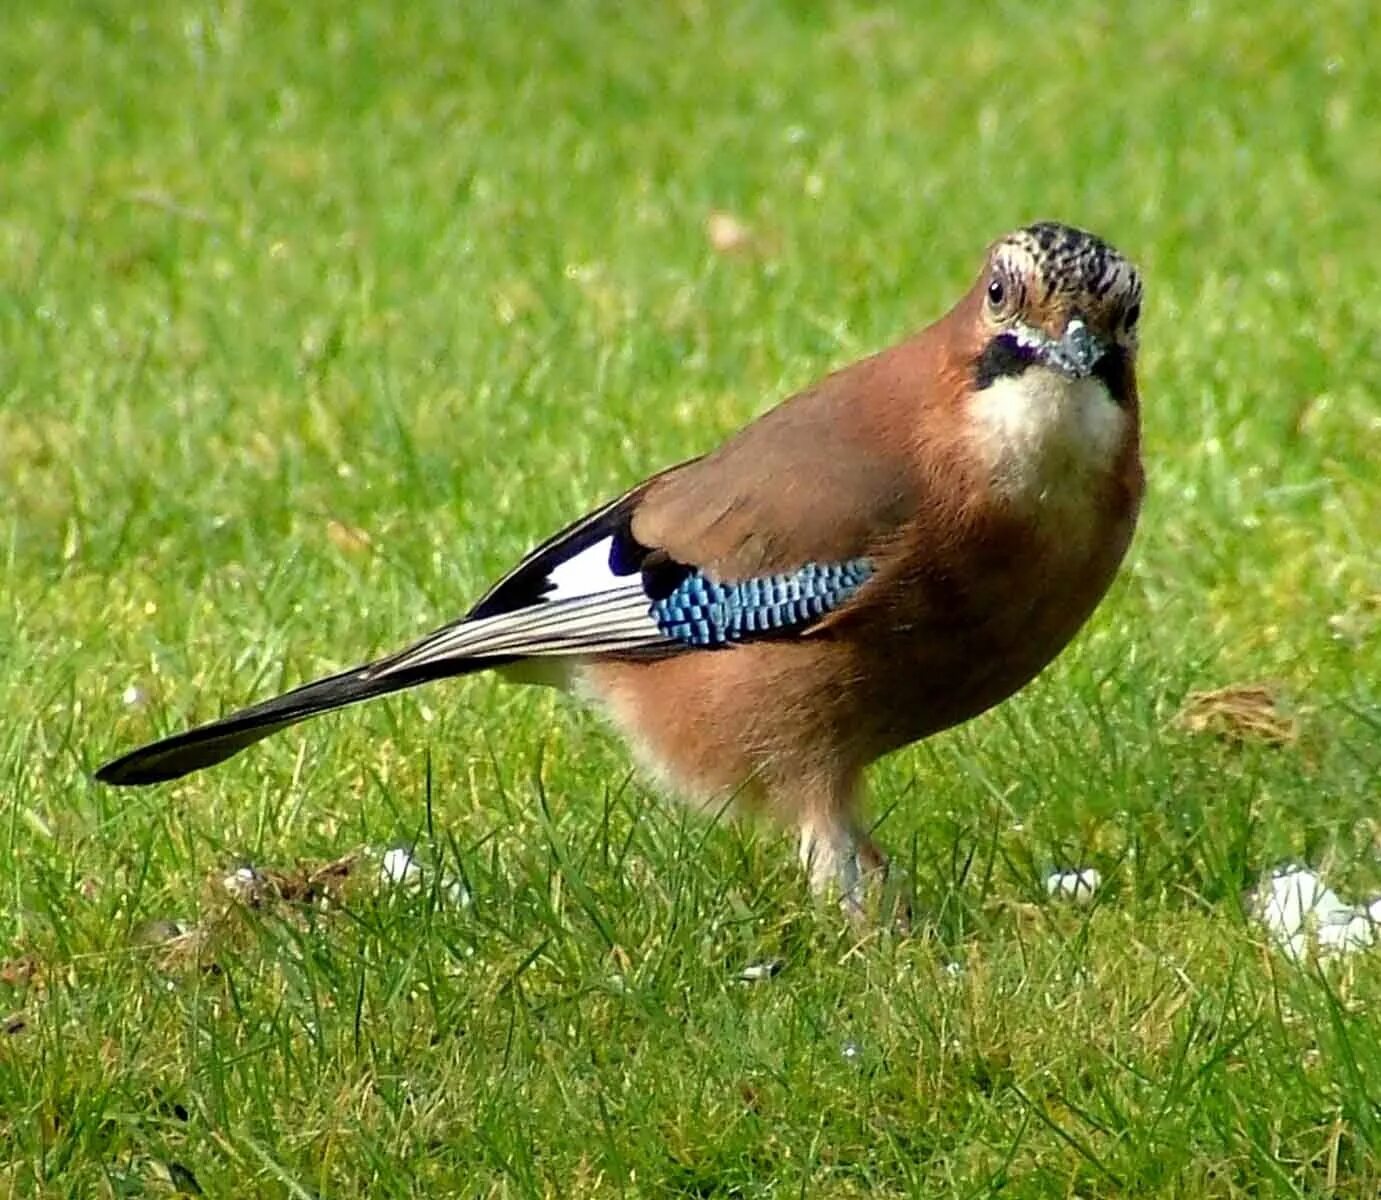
1047	438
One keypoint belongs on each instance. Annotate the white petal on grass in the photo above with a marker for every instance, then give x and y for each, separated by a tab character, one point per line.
400	869
1354	931
1296	903
1078	886
1295	947
1295	894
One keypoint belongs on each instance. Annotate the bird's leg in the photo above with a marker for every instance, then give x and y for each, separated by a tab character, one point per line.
842	861
829	855
838	858
886	887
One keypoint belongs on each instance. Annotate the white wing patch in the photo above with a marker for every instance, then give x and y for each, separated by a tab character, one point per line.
586	609
585	574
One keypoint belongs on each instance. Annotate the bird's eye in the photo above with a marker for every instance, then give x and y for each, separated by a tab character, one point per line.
997	292
1133	315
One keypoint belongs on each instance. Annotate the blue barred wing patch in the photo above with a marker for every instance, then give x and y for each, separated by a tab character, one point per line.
700	612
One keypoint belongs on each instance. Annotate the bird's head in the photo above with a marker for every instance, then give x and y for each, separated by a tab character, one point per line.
1056	298
1041	353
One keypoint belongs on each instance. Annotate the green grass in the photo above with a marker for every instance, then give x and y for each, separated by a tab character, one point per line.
274	273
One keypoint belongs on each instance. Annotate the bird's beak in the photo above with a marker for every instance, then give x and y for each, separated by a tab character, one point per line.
1076	352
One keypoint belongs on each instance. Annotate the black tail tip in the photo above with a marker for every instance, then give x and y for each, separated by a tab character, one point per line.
125	772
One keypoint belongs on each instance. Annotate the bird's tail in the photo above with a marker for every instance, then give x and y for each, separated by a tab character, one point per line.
614	619
207	745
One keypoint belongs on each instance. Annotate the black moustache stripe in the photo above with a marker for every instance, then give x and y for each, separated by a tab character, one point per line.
1112	370
1003	356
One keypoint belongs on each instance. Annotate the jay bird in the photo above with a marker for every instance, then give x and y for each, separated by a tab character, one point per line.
880	557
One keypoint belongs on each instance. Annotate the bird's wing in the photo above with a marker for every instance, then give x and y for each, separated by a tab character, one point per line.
770	536
766	537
